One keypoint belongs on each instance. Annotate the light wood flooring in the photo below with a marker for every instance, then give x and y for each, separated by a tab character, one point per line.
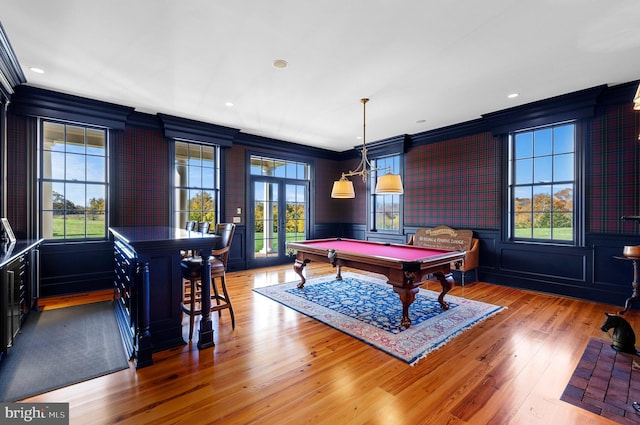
281	367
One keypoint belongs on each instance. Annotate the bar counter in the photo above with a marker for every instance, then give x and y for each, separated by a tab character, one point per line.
148	287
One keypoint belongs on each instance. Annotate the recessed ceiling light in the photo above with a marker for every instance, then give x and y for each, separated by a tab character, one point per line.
513	95
229	104
280	63
421	121
36	70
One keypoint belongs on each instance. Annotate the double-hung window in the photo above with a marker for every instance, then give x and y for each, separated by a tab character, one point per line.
385	210
542	184
196	183
74	184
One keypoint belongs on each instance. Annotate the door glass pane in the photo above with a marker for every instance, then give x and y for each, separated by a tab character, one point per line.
295	223
265	211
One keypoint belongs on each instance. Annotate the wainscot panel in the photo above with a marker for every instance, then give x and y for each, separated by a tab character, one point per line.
544	261
385	237
237	259
338	230
75	267
610	274
326	230
606	268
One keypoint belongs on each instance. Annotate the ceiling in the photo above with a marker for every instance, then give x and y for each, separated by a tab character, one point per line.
424	64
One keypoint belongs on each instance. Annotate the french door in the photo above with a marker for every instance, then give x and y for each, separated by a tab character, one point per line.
280	214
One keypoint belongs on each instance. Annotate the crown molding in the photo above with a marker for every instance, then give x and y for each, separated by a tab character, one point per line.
11	74
197	131
253	141
34	101
575	105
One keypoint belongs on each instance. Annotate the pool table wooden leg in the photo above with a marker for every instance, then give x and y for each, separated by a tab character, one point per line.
298	267
447	283
333	259
407	296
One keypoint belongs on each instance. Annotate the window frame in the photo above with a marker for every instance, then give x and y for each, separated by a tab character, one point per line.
177	218
373	197
577	182
42	180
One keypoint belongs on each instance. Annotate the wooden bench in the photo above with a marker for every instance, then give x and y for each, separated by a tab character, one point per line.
445	237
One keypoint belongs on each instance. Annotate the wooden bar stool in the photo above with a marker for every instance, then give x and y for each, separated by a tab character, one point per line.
218	269
191	271
190	268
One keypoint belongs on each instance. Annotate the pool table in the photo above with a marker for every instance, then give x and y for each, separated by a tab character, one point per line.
405	266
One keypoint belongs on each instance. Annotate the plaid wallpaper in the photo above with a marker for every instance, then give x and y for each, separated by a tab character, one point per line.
17	172
329	210
455	183
141	178
235	181
613	176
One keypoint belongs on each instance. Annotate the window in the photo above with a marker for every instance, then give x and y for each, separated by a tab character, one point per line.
196	183
542	183
74	181
385	209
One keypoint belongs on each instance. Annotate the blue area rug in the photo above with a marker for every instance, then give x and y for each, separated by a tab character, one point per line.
367	308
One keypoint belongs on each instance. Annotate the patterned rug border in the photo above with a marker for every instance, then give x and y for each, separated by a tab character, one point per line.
411	344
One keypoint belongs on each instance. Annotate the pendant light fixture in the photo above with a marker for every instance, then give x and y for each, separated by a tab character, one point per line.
387	183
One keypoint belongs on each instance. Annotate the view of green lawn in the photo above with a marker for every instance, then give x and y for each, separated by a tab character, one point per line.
95	226
559	233
291	237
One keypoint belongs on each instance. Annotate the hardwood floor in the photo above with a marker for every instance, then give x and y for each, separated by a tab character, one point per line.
281	367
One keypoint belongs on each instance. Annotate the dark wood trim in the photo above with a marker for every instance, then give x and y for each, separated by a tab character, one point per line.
280	147
10	71
39	102
576	105
197	131
579	104
467	128
589	272
391	146
619	94
148	121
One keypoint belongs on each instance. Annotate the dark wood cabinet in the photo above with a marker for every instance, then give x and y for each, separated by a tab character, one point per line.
18	289
148	287
14	281
125	275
